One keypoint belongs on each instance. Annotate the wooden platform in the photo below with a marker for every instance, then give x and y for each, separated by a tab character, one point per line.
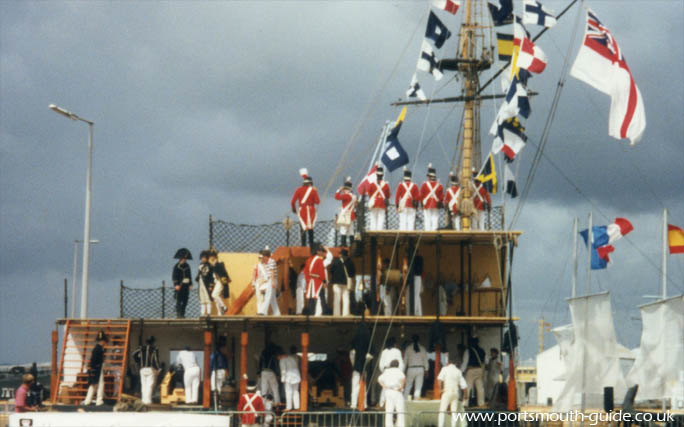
319	321
444	236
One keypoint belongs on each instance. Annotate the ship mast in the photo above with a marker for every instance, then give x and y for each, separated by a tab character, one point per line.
470	63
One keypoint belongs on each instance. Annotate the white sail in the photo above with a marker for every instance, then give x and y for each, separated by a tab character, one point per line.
661	355
593	361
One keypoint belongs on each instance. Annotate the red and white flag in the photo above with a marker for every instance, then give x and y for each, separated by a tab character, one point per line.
450	6
366	181
526	54
601	65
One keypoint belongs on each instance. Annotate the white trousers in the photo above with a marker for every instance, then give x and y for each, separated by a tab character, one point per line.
377	219
443	303
191	381
340	300
386	296
269	300
356	388
474	377
147	377
218	377
478	220
450	401
414	378
217	293
269	383
431	219
394	402
417	289
407	219
100	391
205	309
456	222
299	295
347	230
291	396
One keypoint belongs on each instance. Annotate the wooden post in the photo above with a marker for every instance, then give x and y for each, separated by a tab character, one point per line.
244	339
53	367
512	398
206	387
304	386
437	391
361	406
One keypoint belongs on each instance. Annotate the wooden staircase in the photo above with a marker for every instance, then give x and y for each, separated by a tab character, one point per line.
77	345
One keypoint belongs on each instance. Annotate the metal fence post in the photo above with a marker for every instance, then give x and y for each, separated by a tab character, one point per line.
163	289
65	298
211	232
121	289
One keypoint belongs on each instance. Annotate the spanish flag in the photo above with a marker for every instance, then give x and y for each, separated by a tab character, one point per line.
675	239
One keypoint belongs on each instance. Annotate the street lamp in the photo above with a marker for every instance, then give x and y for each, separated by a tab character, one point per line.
73	282
86	225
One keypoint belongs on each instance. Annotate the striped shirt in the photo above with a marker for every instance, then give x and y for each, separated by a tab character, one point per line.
272	269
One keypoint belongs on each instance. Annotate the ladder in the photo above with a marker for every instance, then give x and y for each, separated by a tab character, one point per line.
78	343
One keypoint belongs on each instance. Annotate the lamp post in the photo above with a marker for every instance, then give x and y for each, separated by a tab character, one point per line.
86	225
73	282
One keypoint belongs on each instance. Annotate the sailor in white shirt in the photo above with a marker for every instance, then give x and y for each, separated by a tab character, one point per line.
191	376
290	377
416	361
453	384
390	353
392	381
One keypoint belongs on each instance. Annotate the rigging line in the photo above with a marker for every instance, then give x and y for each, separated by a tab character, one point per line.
422	134
502	69
370	107
459	146
549	121
596	208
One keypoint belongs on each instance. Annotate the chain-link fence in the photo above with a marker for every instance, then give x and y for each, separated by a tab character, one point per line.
154	303
230	237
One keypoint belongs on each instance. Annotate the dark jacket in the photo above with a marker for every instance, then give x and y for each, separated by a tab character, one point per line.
222	273
95	364
337	273
147	356
181	272
361	346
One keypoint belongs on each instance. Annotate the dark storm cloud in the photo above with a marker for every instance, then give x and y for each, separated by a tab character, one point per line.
211	108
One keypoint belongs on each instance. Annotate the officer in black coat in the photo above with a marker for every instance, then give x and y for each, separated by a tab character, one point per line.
95	374
182	280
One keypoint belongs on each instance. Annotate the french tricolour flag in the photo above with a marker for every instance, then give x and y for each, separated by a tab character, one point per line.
450	6
603	238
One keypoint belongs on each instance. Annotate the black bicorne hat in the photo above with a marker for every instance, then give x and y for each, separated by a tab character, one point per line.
183	253
101	336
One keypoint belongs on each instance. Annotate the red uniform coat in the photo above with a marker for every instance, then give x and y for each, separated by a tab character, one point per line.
407	193
347	198
315	274
250	402
431	193
481	197
307	196
379	194
451	199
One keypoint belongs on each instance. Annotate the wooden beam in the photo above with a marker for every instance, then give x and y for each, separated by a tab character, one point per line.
53	367
437	390
206	386
304	385
244	340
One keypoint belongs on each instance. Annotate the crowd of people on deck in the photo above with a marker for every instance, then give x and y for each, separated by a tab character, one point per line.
431	197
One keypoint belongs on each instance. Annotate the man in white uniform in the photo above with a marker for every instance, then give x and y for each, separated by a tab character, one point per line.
191	375
416	361
390	353
267	282
300	290
268	369
452	384
392	381
290	377
147	358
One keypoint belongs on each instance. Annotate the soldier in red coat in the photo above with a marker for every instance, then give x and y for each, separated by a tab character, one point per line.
379	194
432	194
451	201
307	196
406	200
481	202
251	405
347	215
316	279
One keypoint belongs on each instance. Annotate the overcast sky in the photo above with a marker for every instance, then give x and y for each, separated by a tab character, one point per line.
211	108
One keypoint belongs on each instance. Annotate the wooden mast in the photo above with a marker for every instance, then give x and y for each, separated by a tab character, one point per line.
469	66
